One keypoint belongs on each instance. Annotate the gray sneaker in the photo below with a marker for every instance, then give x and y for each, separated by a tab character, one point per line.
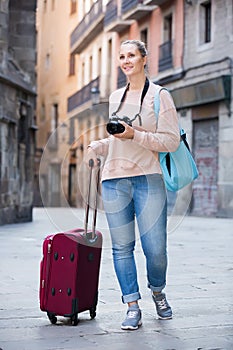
164	310
133	318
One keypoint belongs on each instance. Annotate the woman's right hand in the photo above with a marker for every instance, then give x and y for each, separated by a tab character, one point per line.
91	156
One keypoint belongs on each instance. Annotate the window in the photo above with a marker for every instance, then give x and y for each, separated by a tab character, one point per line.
72	65
100	61
22	129
205	22
53	140
109	67
54	119
167	28
144	36
73	6
90	68
165	49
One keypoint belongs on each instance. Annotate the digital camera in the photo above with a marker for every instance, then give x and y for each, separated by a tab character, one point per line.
115	127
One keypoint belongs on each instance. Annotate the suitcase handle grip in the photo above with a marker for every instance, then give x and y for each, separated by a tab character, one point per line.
91	162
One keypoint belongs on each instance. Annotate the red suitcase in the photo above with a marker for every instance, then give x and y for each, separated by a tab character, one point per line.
69	269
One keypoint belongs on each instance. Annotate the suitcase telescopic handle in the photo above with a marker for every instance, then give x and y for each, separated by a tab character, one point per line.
91	165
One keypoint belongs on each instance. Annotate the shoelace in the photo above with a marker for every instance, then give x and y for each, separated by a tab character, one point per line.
132	314
162	304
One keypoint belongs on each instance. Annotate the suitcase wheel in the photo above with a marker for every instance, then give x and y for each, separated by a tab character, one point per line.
74	320
93	312
52	318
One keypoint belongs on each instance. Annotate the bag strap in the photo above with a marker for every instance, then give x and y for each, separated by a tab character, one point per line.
157	102
156	110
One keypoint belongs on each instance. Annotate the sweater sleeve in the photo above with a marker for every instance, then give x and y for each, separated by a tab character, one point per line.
166	138
100	147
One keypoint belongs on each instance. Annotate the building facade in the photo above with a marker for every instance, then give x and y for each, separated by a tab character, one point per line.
17	109
187	54
96	41
56	79
204	100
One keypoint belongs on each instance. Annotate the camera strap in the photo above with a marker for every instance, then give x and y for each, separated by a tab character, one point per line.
144	91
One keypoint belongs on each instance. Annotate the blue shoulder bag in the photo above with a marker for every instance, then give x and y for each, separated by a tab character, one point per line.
179	168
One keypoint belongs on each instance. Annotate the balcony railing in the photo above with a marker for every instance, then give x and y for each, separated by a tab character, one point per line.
155	2
113	20
82	96
90	26
129	4
165	56
111	12
136	9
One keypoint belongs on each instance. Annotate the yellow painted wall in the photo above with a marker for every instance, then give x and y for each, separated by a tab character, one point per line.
54	26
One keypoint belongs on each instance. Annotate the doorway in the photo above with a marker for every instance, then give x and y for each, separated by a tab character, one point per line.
205	188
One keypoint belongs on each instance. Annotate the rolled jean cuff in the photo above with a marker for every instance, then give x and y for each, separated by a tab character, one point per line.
130	297
156	289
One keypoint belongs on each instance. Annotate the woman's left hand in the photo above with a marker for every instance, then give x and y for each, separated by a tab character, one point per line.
127	134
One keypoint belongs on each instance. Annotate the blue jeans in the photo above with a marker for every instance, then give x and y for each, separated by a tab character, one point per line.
143	197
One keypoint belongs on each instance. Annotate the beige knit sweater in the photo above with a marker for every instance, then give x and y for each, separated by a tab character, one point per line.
139	156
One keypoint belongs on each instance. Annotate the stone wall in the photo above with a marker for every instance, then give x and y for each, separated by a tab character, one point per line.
17	109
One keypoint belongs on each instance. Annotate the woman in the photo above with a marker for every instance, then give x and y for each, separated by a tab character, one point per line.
132	184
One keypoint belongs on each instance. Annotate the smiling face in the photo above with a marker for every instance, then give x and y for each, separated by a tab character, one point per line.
131	60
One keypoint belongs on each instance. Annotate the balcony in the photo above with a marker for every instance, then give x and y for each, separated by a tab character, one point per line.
204	92
112	20
165	56
136	9
90	26
155	2
82	96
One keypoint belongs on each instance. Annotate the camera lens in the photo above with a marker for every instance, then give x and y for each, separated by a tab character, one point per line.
114	127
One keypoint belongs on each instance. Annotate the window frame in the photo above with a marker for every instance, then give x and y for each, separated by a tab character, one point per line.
203	43
72	66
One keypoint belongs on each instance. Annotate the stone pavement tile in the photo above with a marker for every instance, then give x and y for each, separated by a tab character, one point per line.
113	341
87	335
199	290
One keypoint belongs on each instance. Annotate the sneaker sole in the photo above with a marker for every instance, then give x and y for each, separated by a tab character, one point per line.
131	328
165	318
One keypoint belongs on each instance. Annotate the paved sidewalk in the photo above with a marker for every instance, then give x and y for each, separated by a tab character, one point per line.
199	290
